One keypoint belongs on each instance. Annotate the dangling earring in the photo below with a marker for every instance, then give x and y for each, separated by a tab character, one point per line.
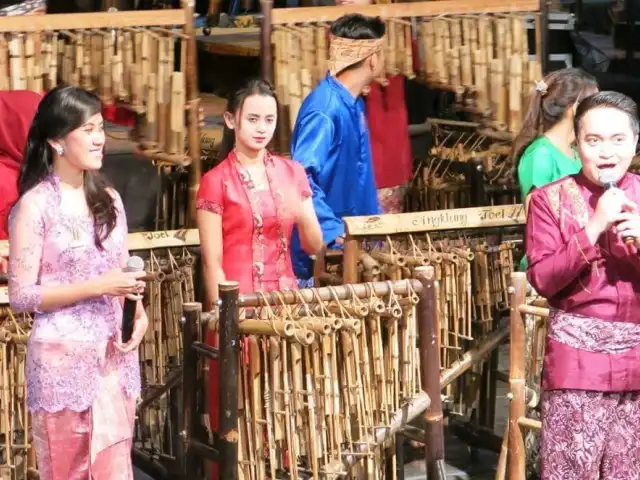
59	150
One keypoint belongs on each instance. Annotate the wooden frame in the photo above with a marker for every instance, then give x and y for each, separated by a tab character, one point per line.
135	242
512	461
195	352
438	220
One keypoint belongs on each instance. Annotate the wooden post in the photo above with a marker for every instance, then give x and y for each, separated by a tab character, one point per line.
266	60
189	418
518	295
350	259
228	392
430	366
193	102
544	36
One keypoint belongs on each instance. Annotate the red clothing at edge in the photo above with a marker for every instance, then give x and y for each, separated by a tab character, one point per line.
389	131
17	109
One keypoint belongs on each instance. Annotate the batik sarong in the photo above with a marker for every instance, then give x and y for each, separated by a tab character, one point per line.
589	435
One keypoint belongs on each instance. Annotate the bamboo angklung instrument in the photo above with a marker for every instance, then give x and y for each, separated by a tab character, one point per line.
464	168
325	398
128	59
472	269
484	44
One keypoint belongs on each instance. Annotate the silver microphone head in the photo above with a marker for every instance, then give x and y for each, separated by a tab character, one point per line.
134	264
607	178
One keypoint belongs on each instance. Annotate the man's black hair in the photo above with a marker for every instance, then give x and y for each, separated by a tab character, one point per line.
358	27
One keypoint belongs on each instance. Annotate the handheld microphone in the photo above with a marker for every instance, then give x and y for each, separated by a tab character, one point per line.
607	179
134	264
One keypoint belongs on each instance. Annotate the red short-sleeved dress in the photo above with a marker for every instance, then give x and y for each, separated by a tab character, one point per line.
256	229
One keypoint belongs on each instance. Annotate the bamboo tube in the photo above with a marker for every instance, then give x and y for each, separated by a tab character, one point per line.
176	124
515	93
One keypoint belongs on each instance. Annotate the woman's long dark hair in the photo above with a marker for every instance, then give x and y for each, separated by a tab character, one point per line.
61	111
255	86
546	108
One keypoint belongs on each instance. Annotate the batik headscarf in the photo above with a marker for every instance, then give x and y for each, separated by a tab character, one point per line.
344	52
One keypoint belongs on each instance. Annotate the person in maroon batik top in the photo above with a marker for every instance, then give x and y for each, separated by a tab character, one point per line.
579	259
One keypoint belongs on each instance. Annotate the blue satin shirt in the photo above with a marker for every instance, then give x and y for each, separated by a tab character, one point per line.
331	140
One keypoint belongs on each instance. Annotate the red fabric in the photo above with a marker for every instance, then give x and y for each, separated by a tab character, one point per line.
222	192
119	115
389	130
17	109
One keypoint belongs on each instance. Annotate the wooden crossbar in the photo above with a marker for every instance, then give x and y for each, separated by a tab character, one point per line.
146	240
98	20
281	16
454	219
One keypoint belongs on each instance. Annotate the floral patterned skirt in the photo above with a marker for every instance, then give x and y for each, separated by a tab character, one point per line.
392	199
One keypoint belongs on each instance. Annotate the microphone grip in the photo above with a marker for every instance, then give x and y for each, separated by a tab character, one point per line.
128	318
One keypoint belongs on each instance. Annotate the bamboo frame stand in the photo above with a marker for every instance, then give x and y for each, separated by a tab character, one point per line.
462	351
127	58
512	461
484	43
242	408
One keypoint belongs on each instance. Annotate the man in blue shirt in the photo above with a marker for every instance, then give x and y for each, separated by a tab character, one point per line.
331	137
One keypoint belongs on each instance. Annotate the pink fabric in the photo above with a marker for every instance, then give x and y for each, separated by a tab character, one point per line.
599	281
589	284
590	435
95	443
392	199
585	353
67	347
256	226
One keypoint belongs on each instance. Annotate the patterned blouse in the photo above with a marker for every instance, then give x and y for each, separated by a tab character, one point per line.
67	347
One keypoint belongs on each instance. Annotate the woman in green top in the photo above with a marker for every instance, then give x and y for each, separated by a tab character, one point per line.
543	150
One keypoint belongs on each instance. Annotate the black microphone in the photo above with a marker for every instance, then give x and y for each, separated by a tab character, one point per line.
134	264
608	180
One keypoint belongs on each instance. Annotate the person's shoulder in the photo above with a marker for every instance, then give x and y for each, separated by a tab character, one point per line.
287	164
321	101
540	150
218	172
40	194
552	190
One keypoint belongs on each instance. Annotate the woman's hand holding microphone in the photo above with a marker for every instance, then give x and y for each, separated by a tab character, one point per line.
123	284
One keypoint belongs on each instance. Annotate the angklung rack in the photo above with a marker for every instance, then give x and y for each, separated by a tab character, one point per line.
472	251
129	59
476	49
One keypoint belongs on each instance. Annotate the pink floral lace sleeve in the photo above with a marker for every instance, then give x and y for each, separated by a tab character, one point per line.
26	232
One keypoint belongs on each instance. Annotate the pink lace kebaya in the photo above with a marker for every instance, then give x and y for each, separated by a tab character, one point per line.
67	347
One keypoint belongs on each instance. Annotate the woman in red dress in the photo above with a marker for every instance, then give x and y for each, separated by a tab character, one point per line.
247	207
